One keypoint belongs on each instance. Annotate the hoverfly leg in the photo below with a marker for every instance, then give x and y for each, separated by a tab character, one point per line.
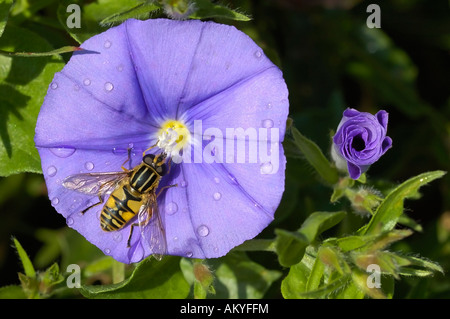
96	204
128	160
134	225
131	234
148	149
165	187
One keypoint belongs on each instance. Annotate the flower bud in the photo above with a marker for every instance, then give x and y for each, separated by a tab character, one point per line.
360	140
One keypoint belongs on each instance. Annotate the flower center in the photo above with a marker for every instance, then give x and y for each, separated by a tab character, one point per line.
358	143
173	136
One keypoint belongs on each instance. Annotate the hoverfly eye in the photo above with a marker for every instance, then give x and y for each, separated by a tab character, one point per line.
161	170
148	159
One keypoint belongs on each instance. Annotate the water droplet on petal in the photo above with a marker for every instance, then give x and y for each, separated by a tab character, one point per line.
117	237
109	86
55	201
107	251
76	87
269	105
54	86
267	123
217	196
171	208
70	221
107	44
217	180
87	82
120	68
183	184
258	54
203	230
62	152
266	168
89	166
189	254
175	238
51	171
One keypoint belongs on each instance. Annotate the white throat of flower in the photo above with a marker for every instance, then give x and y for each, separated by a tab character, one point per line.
172	137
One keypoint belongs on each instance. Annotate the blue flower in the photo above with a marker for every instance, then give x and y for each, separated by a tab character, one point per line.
193	88
360	140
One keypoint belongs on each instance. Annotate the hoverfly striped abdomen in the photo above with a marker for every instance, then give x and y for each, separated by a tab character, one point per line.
122	205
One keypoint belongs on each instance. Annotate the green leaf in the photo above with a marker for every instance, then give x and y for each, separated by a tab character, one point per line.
23	85
387	214
315	157
5	7
297	278
290	246
137	12
151	279
206	10
66	49
236	276
12	292
26	262
315	276
324	291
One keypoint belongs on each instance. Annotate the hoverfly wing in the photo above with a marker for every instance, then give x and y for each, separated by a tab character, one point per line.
152	229
94	183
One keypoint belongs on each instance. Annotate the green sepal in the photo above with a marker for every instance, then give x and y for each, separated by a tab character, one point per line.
314	156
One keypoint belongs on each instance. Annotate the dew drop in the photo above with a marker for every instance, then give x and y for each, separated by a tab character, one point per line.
54	86
266	168
217	180
175	238
268	123
107	251
171	208
107	44
51	171
62	152
203	230
258	54
189	254
70	221
217	196
120	68
109	86
117	237
87	82
269	105
183	184
76	87
89	166
55	201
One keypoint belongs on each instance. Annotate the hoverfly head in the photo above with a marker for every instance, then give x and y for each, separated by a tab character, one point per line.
157	162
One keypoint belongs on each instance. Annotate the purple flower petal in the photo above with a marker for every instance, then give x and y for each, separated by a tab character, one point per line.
142	73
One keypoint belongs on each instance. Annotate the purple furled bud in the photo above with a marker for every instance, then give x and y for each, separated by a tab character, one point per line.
360	141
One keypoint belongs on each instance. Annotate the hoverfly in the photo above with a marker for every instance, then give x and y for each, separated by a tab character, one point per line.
131	192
